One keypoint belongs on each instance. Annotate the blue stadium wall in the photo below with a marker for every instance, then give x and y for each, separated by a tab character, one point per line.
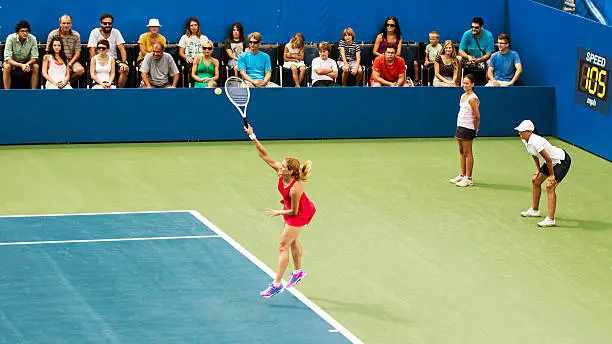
138	115
547	41
277	20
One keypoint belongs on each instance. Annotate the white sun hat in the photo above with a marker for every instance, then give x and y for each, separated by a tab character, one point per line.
154	22
525	125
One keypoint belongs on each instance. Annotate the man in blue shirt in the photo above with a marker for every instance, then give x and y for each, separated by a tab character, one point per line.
505	65
254	65
475	48
477	43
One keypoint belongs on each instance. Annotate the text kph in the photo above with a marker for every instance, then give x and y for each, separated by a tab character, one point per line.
595	59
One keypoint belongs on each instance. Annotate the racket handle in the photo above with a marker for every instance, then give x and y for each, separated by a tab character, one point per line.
246	122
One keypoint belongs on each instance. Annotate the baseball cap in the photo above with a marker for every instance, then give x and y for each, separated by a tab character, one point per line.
525	125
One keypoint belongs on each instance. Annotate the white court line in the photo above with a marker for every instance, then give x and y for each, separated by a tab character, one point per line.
318	310
105	240
109	213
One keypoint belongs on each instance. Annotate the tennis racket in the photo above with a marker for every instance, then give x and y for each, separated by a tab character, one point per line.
237	91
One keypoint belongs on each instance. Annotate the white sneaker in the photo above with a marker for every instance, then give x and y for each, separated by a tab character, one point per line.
531	213
547	222
465	181
456	180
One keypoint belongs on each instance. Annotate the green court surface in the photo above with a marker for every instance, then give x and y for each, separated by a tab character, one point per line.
395	254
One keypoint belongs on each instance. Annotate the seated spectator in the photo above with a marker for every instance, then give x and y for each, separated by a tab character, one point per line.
72	46
157	67
234	45
432	50
21	55
254	65
206	72
389	69
324	69
115	41
147	39
189	46
389	33
350	57
446	66
476	47
102	67
294	58
55	63
505	65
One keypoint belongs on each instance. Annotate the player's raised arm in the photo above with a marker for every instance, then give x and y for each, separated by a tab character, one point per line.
261	150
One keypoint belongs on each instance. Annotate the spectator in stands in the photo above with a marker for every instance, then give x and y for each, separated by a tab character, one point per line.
432	50
206	72
476	47
350	57
21	54
115	41
54	66
102	67
294	58
389	33
189	46
324	69
446	67
234	45
505	65
389	69
72	45
147	39
254	65
157	67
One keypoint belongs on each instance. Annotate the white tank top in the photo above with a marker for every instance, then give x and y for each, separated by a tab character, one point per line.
55	71
465	118
103	71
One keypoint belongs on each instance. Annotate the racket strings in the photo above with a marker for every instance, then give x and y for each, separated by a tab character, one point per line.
238	92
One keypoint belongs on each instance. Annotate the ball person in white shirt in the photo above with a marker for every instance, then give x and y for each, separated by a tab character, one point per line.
556	165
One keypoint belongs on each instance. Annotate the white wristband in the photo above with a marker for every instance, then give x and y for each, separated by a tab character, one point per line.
252	136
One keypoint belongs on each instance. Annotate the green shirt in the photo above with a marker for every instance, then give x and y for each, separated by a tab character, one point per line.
20	52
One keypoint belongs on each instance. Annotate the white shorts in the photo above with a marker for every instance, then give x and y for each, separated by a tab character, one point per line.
290	64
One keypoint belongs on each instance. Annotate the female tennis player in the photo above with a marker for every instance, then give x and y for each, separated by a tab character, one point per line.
297	211
557	164
468	121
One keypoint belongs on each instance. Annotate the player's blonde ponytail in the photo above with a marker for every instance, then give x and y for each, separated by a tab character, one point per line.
305	170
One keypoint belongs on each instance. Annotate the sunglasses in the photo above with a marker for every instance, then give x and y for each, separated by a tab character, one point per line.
254	42
390	25
107	23
102	48
475	27
24	30
207	48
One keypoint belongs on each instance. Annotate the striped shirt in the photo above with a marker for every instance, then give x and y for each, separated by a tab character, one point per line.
72	43
350	50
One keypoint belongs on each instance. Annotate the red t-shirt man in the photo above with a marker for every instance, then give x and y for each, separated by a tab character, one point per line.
393	73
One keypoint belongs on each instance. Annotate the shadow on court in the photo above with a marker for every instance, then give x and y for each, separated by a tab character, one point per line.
369	310
504	187
589	225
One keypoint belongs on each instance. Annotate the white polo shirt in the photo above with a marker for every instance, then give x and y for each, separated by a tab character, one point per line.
537	144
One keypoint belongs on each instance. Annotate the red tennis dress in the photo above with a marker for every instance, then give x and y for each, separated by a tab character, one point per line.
306	209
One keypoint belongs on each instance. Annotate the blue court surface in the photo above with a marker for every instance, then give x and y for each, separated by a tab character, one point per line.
158	277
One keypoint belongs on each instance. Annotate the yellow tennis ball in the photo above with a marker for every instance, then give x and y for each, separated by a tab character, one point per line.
217	91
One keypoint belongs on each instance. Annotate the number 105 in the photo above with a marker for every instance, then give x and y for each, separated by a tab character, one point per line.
595	80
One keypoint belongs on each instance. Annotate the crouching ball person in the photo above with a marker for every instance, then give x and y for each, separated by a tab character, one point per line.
297	211
556	165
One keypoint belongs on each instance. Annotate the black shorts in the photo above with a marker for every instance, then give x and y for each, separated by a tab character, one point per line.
560	169
465	134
